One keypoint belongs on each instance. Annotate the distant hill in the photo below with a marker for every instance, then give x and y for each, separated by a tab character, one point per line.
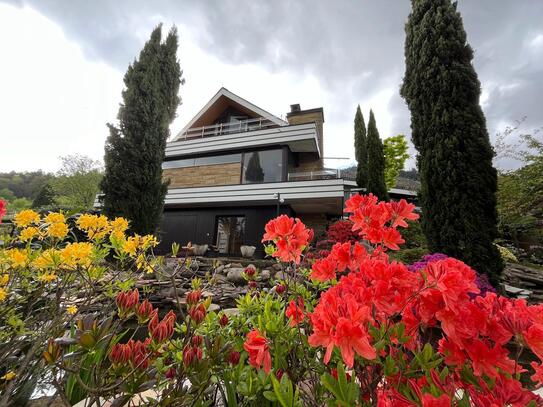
407	180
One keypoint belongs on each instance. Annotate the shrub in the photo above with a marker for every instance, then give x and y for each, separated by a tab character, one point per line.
355	329
342	231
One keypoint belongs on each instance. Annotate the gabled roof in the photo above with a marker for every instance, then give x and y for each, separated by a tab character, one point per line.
223	92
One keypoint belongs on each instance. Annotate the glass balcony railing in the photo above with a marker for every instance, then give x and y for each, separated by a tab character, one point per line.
220	129
331	173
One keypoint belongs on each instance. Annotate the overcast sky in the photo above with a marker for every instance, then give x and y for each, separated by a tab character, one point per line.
62	63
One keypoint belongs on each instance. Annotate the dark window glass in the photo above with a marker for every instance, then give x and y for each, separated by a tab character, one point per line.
230	234
219	159
191	162
263	166
187	162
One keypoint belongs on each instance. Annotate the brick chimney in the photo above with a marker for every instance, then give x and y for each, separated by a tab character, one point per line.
298	116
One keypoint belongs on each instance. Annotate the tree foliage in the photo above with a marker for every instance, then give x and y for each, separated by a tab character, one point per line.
395	149
77	182
45	198
458	181
134	152
254	171
376	161
360	149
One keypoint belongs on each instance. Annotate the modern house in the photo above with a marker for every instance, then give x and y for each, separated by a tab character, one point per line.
235	166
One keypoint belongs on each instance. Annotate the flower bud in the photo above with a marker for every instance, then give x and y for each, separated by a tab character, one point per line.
197	340
233	357
52	354
250	272
120	354
253	284
193	297
170	373
127	301
189	355
280	289
279	374
163	330
144	312
198	313
223	321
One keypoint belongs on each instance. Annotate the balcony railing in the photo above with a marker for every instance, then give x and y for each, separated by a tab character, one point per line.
331	173
220	129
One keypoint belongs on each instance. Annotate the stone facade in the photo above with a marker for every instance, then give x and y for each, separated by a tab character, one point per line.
204	175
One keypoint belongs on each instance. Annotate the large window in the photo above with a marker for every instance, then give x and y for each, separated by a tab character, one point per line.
262	166
192	162
230	234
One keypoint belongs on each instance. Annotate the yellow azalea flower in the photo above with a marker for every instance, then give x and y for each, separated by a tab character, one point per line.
55	217
97	227
26	218
149	241
3	294
77	254
48	258
57	230
9	376
72	309
131	245
4	279
119	224
18	257
29	233
47	277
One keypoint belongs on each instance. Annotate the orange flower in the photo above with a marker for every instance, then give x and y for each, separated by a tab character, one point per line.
290	236
256	345
295	312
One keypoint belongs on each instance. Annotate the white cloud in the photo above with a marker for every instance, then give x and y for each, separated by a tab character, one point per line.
53	102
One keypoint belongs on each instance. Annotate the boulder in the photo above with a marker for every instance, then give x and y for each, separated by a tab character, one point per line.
235	275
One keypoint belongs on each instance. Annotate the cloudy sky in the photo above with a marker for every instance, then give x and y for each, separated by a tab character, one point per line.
63	61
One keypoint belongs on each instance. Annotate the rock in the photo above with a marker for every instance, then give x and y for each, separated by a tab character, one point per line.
280	275
277	266
235	275
219	269
236	265
213	307
170	292
231	311
265	275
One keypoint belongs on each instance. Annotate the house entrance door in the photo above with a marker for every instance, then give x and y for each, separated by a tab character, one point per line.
230	234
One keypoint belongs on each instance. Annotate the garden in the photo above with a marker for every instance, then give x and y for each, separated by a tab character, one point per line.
352	327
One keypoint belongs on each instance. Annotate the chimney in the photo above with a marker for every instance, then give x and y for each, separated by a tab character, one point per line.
295	108
298	116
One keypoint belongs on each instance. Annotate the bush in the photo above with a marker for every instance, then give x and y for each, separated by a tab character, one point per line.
409	256
342	231
355	329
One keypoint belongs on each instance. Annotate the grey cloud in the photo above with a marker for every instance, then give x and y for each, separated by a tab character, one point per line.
354	48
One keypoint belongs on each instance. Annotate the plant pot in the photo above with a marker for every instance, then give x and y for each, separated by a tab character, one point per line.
199	249
247	251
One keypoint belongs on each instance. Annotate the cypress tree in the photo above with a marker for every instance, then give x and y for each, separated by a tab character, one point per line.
254	172
134	151
458	182
376	161
360	151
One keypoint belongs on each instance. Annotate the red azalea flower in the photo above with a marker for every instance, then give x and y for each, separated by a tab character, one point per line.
193	297
401	210
290	237
537	377
295	312
120	354
487	360
3	209
127	301
431	401
534	338
256	345
198	313
323	270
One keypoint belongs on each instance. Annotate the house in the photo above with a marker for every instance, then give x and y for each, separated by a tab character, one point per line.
235	166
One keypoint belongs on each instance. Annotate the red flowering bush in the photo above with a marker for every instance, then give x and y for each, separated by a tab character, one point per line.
354	329
342	231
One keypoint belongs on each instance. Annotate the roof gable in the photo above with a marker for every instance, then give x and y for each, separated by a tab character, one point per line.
222	99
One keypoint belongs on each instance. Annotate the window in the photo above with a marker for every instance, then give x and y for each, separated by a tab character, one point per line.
262	166
230	234
191	162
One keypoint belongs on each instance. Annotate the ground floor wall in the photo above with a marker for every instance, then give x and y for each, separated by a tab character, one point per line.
205	226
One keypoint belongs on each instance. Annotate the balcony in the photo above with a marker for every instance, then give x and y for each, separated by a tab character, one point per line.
220	129
330	173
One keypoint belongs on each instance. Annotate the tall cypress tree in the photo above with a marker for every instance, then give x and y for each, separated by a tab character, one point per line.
254	172
458	182
376	161
134	151
360	151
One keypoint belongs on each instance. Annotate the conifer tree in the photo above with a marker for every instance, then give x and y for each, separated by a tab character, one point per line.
132	185
360	150
254	172
376	161
458	181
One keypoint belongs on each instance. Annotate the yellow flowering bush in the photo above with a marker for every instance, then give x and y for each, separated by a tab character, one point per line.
49	281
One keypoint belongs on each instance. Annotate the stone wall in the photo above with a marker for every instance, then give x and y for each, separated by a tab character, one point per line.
204	175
